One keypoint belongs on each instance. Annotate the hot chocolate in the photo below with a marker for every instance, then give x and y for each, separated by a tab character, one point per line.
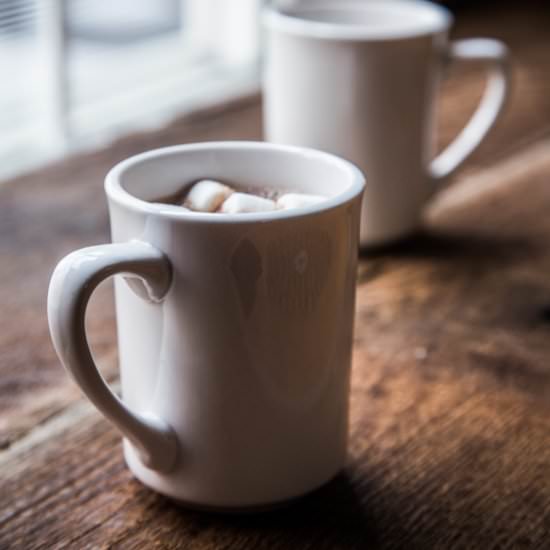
216	197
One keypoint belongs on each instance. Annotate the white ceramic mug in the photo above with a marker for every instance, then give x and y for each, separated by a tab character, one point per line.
359	79
234	331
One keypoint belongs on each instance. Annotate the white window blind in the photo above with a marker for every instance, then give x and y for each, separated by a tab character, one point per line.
77	73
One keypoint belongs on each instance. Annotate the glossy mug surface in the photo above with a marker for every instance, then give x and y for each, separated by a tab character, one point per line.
359	79
234	331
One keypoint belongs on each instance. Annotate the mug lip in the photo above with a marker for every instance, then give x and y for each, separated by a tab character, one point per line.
275	18
116	192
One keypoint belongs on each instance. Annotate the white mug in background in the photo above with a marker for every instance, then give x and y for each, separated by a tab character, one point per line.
234	331
359	79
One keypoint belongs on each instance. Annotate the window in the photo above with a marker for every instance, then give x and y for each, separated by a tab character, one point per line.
79	72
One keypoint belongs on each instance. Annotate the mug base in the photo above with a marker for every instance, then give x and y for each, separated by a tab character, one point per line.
154	482
376	239
383	245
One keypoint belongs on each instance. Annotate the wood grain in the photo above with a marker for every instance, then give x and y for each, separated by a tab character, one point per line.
450	416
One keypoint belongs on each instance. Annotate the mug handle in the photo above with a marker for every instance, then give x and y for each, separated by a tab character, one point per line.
495	54
72	283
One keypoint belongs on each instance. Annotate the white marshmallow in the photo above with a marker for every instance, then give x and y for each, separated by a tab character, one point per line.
298	200
239	203
207	196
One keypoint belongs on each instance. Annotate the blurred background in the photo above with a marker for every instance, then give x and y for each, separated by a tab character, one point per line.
77	73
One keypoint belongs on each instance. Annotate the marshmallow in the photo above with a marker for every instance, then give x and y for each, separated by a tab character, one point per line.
297	200
239	203
207	196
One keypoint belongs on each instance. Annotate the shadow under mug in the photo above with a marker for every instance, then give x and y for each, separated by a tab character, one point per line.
234	331
359	79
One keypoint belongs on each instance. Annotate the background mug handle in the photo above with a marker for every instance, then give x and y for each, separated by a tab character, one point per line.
495	54
72	283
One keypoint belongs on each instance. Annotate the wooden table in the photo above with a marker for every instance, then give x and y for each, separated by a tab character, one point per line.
450	406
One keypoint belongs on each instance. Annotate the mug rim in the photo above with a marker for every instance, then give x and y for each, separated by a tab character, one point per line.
118	194
275	18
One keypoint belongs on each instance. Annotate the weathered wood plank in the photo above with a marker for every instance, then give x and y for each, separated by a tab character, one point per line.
450	439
